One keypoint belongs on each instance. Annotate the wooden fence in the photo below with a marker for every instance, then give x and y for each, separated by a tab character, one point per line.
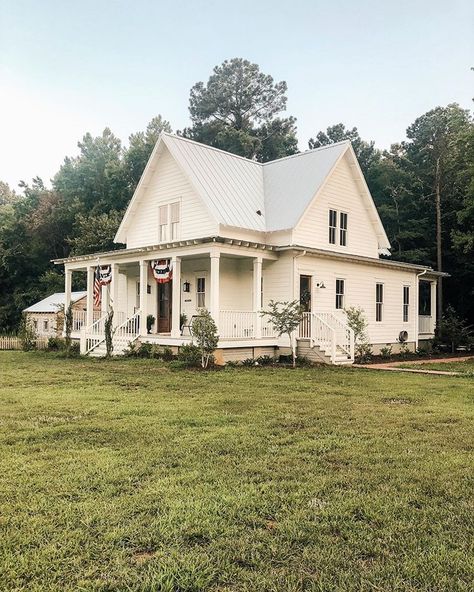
14	342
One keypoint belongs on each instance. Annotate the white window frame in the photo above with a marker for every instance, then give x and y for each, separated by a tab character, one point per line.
175	218
340	296
406	304
343	229
201	293
163	219
379	302
332	227
337	230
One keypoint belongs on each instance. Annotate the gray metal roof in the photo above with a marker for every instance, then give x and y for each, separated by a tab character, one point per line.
234	188
53	302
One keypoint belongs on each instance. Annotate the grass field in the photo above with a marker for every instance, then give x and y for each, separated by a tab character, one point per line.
127	476
466	367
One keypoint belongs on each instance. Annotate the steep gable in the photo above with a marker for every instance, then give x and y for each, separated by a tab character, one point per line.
162	184
344	190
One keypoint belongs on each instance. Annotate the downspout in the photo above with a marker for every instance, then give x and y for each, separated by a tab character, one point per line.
417	306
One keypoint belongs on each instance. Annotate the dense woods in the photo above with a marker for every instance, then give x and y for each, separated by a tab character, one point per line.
423	186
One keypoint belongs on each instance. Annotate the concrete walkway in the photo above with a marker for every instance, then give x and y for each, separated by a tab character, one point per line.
395	366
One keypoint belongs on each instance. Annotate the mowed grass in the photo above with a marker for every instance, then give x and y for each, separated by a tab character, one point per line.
128	476
466	366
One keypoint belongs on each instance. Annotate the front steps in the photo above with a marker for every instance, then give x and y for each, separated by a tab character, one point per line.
316	354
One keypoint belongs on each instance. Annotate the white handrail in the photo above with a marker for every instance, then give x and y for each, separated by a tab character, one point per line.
329	332
128	331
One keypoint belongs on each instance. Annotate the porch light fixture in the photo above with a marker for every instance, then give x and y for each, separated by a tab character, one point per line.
321	285
186	287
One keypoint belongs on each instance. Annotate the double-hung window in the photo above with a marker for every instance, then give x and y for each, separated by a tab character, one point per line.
174	220
378	302
337	228
201	292
332	226
340	291
406	303
163	223
343	229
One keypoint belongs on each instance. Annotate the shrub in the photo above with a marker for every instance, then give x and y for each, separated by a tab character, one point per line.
386	352
145	350
452	330
167	353
190	355
205	332
132	350
265	360
56	344
304	361
404	351
75	348
232	364
27	334
249	362
358	323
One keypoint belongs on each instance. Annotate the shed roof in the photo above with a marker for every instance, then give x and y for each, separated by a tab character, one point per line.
53	302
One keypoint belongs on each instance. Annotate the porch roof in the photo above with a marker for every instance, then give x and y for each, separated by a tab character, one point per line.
166	247
367	260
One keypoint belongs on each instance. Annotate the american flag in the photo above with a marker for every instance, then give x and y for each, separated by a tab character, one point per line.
97	287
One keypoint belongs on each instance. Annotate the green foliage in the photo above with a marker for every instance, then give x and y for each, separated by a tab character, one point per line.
56	344
357	321
150	319
68	320
167	353
109	333
453	330
386	352
285	318
190	355
236	110
27	334
205	333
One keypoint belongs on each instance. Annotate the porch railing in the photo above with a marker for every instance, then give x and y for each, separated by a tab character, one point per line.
425	324
241	324
79	318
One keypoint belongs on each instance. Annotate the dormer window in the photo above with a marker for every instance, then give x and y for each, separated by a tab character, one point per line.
337	228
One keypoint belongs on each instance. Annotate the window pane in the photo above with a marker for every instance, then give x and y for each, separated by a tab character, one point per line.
305	292
174	213
340	286
201	292
424	306
332	226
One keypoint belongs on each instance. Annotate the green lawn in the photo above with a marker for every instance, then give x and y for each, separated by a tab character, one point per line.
466	367
127	476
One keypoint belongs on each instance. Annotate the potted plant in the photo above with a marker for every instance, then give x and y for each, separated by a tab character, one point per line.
182	320
149	322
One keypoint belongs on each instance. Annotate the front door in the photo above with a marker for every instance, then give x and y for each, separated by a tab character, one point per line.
164	307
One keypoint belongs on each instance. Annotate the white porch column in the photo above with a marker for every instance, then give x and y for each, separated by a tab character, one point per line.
434	309
67	288
214	305
90	296
114	294
257	289
143	296
176	298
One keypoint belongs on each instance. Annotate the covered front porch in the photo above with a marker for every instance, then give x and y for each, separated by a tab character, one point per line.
225	279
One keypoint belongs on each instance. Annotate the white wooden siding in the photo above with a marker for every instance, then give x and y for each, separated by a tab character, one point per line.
168	184
342	194
360	283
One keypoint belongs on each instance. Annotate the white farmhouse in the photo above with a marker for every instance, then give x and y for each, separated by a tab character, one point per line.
235	234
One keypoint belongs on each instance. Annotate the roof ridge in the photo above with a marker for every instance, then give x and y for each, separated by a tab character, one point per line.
305	152
175	136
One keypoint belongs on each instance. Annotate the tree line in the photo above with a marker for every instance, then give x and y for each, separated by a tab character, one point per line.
423	186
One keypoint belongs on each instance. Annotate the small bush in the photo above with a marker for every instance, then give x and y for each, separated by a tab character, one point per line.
232	364
145	350
386	352
55	344
167	353
404	350
363	353
132	350
190	355
303	361
75	349
249	362
27	334
265	360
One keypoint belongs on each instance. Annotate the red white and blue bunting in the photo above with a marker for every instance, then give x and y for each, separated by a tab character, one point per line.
162	270
105	272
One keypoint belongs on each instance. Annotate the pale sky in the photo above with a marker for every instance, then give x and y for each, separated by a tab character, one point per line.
67	67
